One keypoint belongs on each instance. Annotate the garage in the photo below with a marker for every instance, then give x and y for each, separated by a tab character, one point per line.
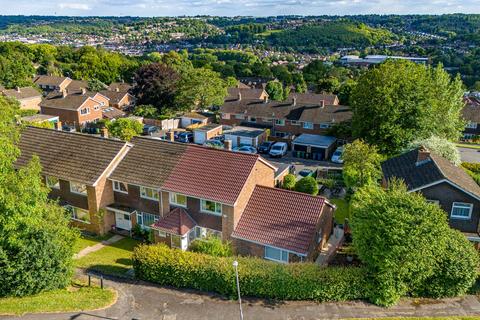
202	134
241	136
313	146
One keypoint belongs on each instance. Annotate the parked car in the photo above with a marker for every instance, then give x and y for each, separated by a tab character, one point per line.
306	173
337	155
265	146
213	143
185	137
220	138
68	128
148	130
246	149
279	149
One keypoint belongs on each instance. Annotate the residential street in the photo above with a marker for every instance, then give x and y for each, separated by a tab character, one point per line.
138	300
469	155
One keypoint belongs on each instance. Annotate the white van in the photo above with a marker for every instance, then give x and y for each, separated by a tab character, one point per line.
279	149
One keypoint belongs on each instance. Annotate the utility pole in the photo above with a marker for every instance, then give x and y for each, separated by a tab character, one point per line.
235	265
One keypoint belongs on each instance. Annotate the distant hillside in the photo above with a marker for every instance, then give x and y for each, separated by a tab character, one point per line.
338	34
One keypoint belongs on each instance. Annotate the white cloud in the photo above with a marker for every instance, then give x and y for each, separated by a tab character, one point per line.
75	6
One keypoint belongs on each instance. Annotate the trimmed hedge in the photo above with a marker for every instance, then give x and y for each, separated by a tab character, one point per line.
258	277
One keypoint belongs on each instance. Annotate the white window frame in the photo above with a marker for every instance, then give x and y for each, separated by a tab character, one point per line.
73	214
173	199
85	111
52	186
462	205
471	125
280	122
226	116
283	253
141	217
308	125
294	123
203	207
162	234
239	116
143	193
117	188
72	190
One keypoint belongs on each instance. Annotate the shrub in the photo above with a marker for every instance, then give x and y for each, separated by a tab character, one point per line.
213	246
307	185
440	146
258	278
289	182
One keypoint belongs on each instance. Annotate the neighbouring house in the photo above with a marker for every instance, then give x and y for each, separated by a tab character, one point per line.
283	225
471	114
194	117
245	136
28	97
313	146
119	99
120	87
300	113
207	132
441	182
40	118
246	93
74	109
52	83
75	166
76	85
112	113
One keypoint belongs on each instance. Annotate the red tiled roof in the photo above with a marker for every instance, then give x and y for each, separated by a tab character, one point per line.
177	222
280	218
212	174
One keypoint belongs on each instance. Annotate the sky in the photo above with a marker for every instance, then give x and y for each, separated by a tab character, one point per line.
233	7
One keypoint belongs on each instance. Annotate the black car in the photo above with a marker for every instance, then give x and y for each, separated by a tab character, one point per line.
185	137
265	146
148	130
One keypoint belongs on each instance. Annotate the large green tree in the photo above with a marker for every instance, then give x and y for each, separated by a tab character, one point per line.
36	244
124	128
361	164
408	247
274	90
400	101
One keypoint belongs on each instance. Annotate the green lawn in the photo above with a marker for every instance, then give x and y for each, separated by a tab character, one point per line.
342	211
115	259
87	241
467	145
77	297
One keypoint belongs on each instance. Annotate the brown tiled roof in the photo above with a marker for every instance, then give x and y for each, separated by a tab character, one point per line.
197	115
122	87
246	93
416	176
280	218
201	172
49	80
112	112
177	222
22	93
68	156
76	85
71	102
471	112
114	96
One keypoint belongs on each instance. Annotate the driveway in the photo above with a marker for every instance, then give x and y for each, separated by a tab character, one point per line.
469	155
300	163
139	300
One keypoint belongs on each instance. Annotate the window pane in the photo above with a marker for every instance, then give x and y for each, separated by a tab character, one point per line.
176	241
272	253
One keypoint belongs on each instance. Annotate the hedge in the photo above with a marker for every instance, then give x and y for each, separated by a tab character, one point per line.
258	277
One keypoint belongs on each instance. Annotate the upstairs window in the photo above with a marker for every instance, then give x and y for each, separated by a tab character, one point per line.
308	125
120	187
178	199
77	187
52	182
239	116
461	210
149	193
279	122
325	125
211	207
84	111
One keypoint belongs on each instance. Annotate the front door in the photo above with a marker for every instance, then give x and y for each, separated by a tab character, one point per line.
122	221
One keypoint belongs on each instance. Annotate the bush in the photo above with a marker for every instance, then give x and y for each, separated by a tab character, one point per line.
307	185
258	278
289	182
212	246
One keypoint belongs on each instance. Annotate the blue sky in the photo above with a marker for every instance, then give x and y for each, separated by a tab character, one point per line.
234	7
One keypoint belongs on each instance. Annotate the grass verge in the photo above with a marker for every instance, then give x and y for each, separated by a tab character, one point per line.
114	259
87	241
469	146
343	210
77	297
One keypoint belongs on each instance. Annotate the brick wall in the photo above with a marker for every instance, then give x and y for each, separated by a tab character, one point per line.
246	248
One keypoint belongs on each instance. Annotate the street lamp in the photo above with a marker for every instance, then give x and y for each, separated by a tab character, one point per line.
235	265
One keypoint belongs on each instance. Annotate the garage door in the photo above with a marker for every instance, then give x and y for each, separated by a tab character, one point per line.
199	137
233	139
246	141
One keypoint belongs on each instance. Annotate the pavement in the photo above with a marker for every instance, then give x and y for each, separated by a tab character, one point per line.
141	301
469	155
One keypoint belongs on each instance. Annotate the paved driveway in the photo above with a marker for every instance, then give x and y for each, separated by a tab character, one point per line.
138	300
469	155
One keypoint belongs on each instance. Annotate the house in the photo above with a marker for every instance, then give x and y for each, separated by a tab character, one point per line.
194	117
471	114
246	93
119	87
300	113
207	132
313	146
441	182
75	166
40	118
246	136
75	108
76	85
52	83
119	99
28	97
112	113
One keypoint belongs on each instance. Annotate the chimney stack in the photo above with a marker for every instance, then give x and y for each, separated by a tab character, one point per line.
83	90
265	99
58	125
228	145
423	155
64	93
170	136
104	132
294	101
239	96
117	89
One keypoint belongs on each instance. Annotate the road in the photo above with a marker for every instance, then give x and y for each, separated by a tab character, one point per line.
139	300
469	155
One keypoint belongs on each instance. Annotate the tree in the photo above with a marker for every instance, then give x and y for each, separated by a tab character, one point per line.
289	182
36	244
408	247
96	85
124	128
274	90
439	146
307	185
201	88
361	164
299	82
330	85
156	84
400	101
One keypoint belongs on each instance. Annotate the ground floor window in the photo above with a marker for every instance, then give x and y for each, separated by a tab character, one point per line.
145	220
78	214
276	254
201	232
